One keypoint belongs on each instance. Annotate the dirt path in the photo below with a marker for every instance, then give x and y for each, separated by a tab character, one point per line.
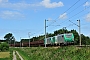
19	55
14	56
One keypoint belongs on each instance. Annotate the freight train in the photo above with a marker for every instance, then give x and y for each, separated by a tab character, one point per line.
60	39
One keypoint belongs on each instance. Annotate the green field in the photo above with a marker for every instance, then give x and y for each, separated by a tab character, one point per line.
51	53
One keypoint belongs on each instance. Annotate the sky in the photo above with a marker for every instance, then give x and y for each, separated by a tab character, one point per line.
27	17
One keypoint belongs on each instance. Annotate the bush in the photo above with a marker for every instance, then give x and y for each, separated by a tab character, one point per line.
4	47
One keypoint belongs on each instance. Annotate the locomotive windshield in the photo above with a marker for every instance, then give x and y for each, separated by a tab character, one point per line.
68	35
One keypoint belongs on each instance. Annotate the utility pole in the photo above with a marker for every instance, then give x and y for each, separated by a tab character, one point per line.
33	39
45	32
20	41
79	31
64	29
14	42
29	38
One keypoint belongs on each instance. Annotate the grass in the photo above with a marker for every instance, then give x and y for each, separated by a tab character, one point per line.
62	53
23	54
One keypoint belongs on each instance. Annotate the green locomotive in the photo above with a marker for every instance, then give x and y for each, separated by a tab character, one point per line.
67	38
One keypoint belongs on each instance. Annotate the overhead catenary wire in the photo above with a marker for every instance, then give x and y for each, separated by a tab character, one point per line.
77	7
72	6
79	12
74	10
78	17
83	14
66	11
76	14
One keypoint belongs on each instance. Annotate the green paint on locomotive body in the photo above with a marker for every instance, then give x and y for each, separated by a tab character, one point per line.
69	37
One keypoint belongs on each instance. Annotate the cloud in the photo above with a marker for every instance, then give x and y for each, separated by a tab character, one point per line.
11	15
15	6
49	19
3	1
24	5
87	4
48	4
63	16
87	17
